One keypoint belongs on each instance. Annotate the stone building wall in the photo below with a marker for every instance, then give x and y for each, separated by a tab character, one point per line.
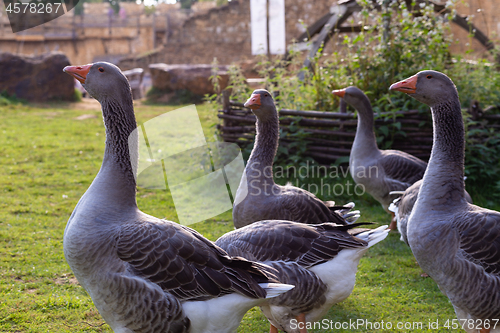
224	32
196	36
83	39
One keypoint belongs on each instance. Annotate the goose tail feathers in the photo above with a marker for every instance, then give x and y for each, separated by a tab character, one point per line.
275	289
375	235
394	206
350	216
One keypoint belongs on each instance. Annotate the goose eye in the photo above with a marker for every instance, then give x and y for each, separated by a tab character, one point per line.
265	95
429	76
101	69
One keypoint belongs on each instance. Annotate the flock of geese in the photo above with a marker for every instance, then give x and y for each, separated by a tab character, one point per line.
292	254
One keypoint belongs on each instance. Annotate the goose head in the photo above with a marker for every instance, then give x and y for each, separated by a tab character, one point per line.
106	83
262	105
429	87
356	98
102	80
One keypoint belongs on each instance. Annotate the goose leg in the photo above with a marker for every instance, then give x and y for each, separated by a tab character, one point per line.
394	222
273	329
484	330
301	318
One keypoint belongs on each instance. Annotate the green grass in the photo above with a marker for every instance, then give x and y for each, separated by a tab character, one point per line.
48	160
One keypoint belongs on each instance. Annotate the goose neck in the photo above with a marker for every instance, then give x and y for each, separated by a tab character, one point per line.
365	136
116	177
445	172
260	163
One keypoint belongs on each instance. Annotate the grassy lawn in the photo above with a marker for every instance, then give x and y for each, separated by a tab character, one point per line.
48	157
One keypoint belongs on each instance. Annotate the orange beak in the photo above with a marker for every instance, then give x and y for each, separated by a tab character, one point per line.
253	102
340	93
78	72
408	86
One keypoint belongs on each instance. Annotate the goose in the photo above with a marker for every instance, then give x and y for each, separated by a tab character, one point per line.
378	171
402	206
259	198
145	274
321	260
454	242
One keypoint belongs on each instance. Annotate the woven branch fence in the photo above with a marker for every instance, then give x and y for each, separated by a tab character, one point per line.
329	135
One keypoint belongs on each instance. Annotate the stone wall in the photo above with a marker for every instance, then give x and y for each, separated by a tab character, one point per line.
224	32
81	45
85	39
195	36
82	51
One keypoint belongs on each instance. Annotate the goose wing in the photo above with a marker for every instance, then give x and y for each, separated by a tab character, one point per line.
185	264
309	291
274	240
479	232
402	168
302	206
404	205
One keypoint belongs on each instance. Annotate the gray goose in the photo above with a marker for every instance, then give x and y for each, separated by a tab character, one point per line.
266	200
319	259
145	274
455	242
379	171
402	206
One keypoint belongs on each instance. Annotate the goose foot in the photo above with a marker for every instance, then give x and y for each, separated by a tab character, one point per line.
484	330
273	329
301	318
394	222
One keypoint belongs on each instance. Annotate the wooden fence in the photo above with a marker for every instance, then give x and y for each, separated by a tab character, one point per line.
329	135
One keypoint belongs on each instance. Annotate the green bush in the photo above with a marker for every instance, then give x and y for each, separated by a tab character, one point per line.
8	99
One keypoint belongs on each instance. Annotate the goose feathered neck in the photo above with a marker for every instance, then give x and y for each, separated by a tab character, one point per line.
260	163
446	165
365	136
116	176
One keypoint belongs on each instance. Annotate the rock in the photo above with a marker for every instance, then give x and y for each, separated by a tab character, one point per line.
195	78
37	78
135	77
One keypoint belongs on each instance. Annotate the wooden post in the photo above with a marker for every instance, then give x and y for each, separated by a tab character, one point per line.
341	12
226	93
